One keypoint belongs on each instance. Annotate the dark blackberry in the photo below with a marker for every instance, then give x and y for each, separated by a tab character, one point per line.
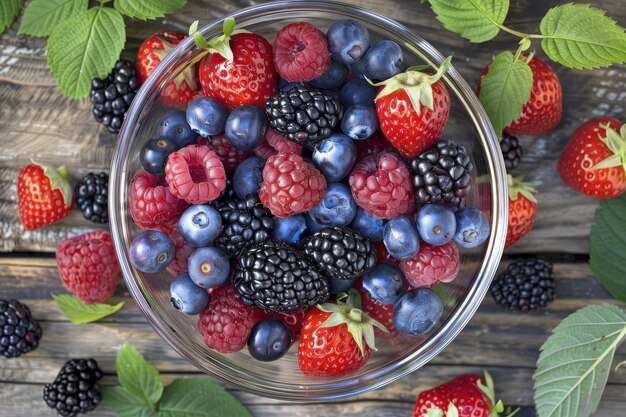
274	276
74	389
527	284
112	96
442	174
341	253
245	221
19	333
304	114
512	151
92	196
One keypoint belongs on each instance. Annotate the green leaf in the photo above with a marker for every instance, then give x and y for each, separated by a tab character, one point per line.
124	403
608	246
199	398
85	47
79	312
505	89
42	16
476	20
8	11
148	9
575	361
138	377
580	36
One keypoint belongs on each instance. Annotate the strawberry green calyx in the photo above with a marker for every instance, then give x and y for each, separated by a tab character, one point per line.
219	45
616	142
518	186
59	180
488	389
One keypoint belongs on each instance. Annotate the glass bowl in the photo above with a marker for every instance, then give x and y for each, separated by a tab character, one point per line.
468	125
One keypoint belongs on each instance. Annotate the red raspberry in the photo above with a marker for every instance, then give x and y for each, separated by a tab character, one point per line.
373	145
88	266
228	154
431	265
182	254
382	255
382	313
382	186
195	174
226	321
276	143
290	185
152	205
301	52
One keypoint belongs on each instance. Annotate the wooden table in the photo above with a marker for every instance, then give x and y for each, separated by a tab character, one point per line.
37	121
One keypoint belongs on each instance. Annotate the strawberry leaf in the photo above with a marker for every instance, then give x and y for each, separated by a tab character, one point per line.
125	404
42	16
148	9
8	11
476	20
78	312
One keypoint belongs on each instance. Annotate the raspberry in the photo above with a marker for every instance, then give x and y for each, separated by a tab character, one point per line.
195	174
374	145
301	52
276	143
382	186
382	313
183	251
88	267
290	185
228	154
152	205
226	321
431	265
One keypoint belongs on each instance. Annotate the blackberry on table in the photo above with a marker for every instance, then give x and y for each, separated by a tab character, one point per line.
512	151
19	333
92	196
74	389
527	284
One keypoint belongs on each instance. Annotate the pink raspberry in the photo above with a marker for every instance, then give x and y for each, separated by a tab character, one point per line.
382	186
183	251
432	264
152	205
301	52
276	143
195	174
290	185
373	145
228	154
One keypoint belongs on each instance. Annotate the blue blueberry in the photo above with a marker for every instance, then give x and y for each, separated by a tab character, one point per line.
312	225
385	283
472	227
208	267
290	86
290	229
401	238
347	41
248	177
357	91
151	251
383	60
359	122
337	208
200	224
332	78
246	127
336	286
335	156
416	312
154	153
369	226
436	224
269	340
206	116
174	126
186	296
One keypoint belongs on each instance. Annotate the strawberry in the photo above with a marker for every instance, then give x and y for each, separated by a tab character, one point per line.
413	109
44	195
594	160
522	209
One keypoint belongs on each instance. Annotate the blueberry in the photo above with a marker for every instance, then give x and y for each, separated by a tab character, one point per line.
335	286
246	127
416	312
206	116
383	60
186	296
335	156
290	86
151	251
385	283
290	229
472	228
200	224
369	226
208	267
174	126
312	225
347	41
154	153
247	177
357	91
332	78
436	224
337	208
269	340
401	238
359	122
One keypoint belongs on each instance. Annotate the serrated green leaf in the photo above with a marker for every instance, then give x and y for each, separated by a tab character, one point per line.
581	36
96	41
200	398
505	89
575	361
476	20
148	9
138	377
8	11
79	312
124	403
42	16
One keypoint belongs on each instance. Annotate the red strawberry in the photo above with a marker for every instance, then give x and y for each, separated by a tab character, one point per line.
44	195
522	209
594	160
413	109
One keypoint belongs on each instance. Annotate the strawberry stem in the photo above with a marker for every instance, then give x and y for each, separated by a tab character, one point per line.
517	186
616	142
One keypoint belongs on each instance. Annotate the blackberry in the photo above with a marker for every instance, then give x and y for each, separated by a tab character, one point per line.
92	196
304	114
19	333
442	174
341	253
74	389
245	221
274	276
527	284
512	151
111	97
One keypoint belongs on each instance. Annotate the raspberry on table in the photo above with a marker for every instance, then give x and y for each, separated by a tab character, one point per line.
301	52
432	264
152	205
228	154
276	143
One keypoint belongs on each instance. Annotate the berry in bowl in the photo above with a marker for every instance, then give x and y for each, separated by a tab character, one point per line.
322	215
